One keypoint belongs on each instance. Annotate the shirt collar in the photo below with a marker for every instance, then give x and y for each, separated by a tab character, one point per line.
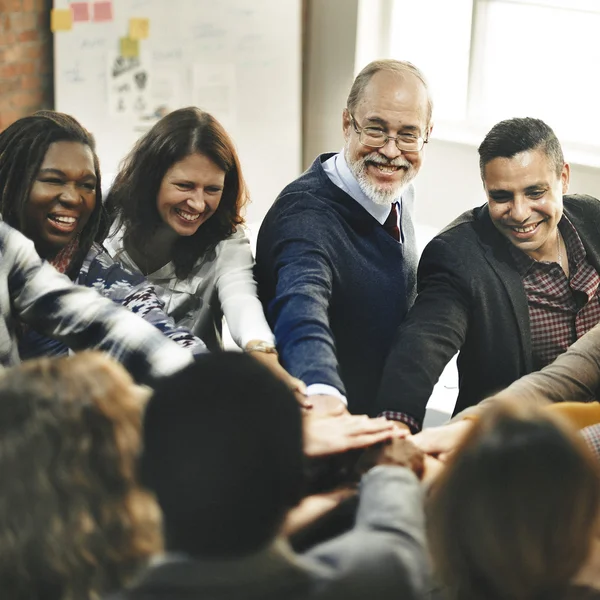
339	173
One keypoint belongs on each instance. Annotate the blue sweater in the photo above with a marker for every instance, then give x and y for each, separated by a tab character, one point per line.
335	285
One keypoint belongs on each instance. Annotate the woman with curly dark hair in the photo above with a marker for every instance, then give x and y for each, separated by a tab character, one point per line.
177	205
516	513
73	522
50	191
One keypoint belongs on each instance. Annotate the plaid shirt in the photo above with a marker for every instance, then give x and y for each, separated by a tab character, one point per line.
33	292
561	309
591	435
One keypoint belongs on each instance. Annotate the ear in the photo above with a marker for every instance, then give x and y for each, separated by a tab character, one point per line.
346	123
565	177
429	130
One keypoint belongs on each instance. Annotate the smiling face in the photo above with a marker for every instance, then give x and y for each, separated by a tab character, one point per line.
396	105
62	198
525	198
190	193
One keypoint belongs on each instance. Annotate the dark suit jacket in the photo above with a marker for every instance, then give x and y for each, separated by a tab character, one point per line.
470	299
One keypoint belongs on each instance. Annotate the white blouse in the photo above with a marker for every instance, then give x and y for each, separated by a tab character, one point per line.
221	283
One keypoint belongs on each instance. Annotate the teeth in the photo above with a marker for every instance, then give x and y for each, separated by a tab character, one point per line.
65	220
386	169
187	216
525	229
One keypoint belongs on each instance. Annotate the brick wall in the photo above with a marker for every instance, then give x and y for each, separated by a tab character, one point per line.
25	58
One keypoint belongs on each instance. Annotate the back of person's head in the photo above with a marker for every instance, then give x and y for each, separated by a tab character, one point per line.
132	200
223	454
513	136
402	68
513	515
23	146
73	522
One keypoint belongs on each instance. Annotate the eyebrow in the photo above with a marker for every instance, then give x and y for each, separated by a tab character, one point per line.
384	123
49	171
529	188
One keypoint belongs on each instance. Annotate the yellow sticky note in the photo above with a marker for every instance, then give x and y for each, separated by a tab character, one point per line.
139	29
61	19
129	48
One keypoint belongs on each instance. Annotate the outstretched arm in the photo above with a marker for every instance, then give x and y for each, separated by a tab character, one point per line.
432	333
50	303
296	254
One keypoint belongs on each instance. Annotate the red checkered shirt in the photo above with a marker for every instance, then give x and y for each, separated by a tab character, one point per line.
561	309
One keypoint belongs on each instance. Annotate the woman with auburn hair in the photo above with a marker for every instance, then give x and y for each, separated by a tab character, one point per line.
50	191
177	205
73	522
516	514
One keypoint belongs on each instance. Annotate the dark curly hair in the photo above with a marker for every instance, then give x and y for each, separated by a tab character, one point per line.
73	522
132	200
23	146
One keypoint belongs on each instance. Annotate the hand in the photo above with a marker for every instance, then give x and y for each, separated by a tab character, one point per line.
323	405
433	468
400	452
333	435
314	507
442	441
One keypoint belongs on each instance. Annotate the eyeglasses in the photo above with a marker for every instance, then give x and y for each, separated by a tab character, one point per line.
376	138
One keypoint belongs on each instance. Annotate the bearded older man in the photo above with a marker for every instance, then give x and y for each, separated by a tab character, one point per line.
336	254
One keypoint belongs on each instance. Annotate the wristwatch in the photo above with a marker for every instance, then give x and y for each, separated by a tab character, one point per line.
265	347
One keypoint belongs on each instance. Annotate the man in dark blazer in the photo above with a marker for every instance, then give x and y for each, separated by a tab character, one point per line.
509	285
227	467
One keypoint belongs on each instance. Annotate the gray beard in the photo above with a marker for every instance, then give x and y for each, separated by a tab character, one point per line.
382	197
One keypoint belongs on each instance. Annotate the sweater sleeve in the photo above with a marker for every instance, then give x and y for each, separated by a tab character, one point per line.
237	292
432	333
573	377
296	250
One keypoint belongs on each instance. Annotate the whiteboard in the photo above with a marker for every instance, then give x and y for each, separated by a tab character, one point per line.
238	59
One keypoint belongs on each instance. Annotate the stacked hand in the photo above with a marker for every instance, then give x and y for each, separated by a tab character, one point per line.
324	434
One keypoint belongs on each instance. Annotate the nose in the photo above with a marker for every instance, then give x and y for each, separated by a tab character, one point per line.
69	195
196	200
520	210
390	150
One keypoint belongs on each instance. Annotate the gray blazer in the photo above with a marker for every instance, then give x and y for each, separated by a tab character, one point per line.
383	556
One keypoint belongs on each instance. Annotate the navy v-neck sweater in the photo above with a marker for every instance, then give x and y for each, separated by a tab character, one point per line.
335	285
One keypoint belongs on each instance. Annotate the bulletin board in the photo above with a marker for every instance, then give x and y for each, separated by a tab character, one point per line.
122	64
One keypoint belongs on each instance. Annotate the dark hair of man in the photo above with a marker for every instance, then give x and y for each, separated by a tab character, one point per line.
132	200
400	67
510	137
223	454
23	146
74	524
513	515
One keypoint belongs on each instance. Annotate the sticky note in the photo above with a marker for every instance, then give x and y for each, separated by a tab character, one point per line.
129	48
139	29
81	11
61	19
102	12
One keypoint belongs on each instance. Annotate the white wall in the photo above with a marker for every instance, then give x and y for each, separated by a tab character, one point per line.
449	183
328	73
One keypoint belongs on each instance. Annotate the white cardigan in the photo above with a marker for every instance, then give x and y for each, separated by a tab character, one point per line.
221	283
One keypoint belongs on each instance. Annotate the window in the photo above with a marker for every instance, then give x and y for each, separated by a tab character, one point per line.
488	60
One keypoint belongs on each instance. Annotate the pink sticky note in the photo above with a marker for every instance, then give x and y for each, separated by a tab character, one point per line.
81	11
103	11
